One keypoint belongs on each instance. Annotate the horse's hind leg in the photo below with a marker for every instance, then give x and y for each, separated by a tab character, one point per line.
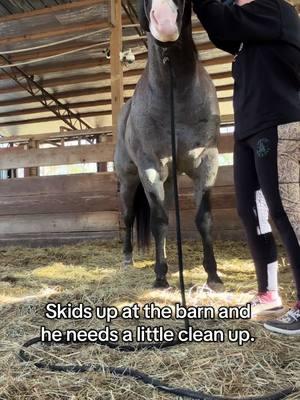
204	178
128	186
127	194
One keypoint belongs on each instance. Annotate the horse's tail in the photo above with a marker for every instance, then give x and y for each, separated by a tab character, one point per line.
142	217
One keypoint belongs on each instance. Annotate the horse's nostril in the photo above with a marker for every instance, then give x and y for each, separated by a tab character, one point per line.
153	16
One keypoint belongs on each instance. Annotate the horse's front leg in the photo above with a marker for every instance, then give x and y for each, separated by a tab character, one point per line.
154	188
204	178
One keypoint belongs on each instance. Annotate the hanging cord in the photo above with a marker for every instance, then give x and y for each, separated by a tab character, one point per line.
130	372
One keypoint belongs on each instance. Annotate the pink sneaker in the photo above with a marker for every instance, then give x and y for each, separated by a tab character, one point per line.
265	304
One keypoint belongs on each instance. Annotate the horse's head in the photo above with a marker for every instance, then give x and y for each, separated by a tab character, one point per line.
164	19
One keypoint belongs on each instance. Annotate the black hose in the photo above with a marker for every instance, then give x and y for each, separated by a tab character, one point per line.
138	375
130	372
176	195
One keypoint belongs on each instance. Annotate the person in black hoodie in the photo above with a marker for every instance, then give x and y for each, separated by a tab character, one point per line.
264	37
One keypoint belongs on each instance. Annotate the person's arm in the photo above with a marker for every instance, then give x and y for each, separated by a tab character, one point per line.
229	46
259	20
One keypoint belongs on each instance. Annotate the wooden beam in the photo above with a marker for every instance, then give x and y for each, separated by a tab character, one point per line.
59	184
51	10
39	110
64	222
64	81
226	119
20	158
56	31
60	95
57	135
117	96
96	77
63	66
83	92
225	143
54	118
67	66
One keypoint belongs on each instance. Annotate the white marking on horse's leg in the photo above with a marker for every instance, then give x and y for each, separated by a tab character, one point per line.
196	154
152	175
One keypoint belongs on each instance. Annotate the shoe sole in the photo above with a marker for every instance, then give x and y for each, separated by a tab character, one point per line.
282	331
273	312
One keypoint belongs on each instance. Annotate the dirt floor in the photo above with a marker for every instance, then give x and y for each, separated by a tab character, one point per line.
92	273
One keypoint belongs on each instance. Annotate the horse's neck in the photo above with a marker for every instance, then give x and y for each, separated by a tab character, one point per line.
182	57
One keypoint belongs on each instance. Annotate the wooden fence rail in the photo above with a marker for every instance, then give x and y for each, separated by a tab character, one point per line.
54	209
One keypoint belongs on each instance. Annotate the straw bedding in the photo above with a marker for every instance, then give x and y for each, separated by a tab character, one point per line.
92	273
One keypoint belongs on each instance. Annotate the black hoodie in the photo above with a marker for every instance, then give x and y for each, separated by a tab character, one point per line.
264	36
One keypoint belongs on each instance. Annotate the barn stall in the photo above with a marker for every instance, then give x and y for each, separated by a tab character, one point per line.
59	106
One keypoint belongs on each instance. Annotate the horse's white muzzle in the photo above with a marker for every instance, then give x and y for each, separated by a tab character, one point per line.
163	21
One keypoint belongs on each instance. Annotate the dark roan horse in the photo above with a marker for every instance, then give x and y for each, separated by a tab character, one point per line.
143	151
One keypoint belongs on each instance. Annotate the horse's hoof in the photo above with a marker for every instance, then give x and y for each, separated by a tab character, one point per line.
216	285
128	262
161	284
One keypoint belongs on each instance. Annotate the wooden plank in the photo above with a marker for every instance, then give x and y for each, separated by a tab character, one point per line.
71	222
225	143
56	135
56	239
40	110
106	182
64	81
224	178
63	66
218	234
97	200
48	119
101	90
222	219
93	77
56	31
19	158
107	112
60	95
218	200
58	203
52	10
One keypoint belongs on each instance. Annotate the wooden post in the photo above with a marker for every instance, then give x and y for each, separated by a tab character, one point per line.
33	171
117	96
101	166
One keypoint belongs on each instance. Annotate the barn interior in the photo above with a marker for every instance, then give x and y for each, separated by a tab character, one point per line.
62	85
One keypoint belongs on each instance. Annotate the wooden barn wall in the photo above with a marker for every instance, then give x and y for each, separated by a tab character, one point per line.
55	209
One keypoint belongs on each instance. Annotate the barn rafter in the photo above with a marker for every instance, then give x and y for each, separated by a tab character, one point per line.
82	80
50	102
